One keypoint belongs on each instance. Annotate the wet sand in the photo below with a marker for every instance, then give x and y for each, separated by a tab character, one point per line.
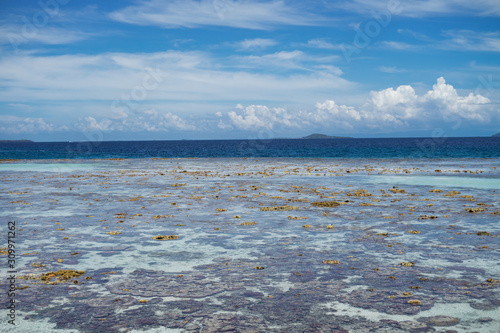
254	245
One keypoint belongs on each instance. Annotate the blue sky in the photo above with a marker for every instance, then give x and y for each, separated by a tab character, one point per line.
222	69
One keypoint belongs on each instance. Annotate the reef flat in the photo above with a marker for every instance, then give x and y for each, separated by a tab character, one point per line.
253	245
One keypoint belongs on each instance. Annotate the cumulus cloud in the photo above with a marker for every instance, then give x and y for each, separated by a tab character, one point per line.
388	109
445	98
144	120
260	116
19	125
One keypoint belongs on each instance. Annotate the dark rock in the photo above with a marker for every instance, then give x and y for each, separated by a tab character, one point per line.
484	319
253	294
485	306
413	326
439	320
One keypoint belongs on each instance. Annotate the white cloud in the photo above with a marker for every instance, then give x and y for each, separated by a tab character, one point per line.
471	41
255	44
390	69
117	86
17	35
398	45
18	125
322	44
290	60
259	116
386	110
460	40
163	76
193	13
445	99
280	59
328	112
145	120
424	8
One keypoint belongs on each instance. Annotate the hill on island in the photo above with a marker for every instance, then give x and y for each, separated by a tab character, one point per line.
496	135
4	141
324	136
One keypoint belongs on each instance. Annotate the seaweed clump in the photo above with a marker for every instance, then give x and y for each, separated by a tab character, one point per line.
165	237
62	275
279	208
248	223
325	203
407	264
474	210
359	193
331	262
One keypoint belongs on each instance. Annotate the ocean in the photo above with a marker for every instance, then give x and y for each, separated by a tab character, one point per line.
407	148
336	235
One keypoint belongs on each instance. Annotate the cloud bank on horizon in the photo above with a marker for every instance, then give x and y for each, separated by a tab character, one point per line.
215	69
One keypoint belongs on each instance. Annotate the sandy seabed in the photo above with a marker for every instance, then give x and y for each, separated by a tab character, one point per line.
252	245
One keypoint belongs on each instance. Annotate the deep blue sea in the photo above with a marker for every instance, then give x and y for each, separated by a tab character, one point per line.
471	147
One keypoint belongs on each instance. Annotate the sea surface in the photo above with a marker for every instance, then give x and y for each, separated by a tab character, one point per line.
475	147
347	235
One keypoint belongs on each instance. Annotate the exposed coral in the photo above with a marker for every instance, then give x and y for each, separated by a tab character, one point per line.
165	237
278	208
325	203
331	262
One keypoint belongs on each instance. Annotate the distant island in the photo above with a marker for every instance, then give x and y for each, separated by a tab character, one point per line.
4	141
496	135
324	136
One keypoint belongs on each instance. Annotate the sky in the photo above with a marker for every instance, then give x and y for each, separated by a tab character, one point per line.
244	69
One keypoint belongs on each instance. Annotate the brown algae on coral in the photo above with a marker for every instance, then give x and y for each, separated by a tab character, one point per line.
278	208
63	275
407	264
474	210
331	262
325	203
248	223
165	237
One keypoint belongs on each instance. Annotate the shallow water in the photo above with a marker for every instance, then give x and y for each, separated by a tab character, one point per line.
207	281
